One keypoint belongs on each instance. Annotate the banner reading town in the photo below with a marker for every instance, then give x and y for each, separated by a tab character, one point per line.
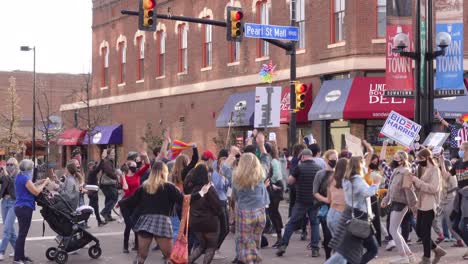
449	70
399	72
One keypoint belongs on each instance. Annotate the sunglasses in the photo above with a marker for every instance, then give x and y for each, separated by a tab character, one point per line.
10	164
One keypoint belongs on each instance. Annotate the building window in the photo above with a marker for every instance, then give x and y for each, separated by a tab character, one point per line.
338	15
122	61
105	67
161	53
300	22
381	18
207	52
263	17
140	58
183	52
234	51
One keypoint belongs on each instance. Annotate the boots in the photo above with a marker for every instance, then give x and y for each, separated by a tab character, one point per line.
425	260
438	254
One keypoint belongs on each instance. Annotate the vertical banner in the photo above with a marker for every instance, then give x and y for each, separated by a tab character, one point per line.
399	72
267	107
449	68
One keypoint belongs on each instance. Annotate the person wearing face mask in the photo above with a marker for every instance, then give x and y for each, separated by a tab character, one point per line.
25	204
7	193
428	188
401	199
130	184
459	216
321	182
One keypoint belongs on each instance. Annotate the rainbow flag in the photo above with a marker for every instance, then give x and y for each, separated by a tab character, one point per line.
464	117
177	147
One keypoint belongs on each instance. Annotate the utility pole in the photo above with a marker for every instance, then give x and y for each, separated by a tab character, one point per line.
292	101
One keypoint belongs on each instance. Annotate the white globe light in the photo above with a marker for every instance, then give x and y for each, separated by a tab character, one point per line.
443	39
401	41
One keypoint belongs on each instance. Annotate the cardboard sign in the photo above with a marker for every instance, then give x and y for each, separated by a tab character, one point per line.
401	129
436	139
354	145
267	107
272	136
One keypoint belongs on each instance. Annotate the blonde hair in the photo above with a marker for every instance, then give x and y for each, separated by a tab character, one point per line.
354	167
403	157
180	163
328	153
249	172
157	178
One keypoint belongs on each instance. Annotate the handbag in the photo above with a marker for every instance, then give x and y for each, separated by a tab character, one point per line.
179	254
357	227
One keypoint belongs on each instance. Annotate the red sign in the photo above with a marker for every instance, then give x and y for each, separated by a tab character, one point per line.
285	107
366	100
399	73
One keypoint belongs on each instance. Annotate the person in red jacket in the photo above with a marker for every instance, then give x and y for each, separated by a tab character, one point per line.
130	184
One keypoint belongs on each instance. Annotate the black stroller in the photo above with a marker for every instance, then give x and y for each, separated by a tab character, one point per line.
66	222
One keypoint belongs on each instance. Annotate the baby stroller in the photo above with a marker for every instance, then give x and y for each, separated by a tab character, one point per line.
66	222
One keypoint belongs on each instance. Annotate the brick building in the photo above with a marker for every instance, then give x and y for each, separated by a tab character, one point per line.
183	76
52	90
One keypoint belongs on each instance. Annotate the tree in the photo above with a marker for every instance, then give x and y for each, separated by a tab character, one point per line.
9	118
50	125
88	117
151	139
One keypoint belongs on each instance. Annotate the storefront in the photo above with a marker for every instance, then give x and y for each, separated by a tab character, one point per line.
355	106
68	139
105	137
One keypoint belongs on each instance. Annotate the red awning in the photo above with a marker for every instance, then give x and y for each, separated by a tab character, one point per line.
285	106
71	137
366	100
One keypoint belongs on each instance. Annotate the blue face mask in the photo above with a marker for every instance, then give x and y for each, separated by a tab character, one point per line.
29	173
461	154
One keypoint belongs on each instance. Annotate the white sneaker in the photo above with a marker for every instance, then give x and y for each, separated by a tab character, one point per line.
391	245
219	256
412	258
12	254
2	257
400	260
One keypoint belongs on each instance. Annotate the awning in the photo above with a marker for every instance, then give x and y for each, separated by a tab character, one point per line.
71	137
105	135
357	98
452	107
238	110
301	116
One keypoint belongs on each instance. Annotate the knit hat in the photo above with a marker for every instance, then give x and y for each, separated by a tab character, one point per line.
207	155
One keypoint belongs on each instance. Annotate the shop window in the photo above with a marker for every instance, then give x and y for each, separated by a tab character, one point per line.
381	18
338	129
337	20
263	17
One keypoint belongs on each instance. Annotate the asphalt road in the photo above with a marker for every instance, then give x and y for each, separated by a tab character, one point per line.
111	237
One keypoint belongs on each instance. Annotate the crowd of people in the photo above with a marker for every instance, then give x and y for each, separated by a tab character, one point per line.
341	197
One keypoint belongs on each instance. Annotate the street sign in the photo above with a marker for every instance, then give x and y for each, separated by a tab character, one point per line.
271	32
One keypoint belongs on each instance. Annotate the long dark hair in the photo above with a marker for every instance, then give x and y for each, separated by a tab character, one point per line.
340	170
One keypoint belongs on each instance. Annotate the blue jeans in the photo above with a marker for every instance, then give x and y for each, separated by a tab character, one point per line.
298	213
24	214
371	246
333	218
111	197
8	217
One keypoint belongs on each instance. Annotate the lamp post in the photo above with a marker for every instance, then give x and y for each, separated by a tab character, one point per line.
424	57
33	143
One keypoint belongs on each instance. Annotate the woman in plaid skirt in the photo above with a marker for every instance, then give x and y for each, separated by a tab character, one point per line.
251	199
153	202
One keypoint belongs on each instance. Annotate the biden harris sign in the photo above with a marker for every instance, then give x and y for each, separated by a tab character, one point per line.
401	129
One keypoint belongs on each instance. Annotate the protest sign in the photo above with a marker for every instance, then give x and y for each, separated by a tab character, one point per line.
400	129
436	139
267	107
354	145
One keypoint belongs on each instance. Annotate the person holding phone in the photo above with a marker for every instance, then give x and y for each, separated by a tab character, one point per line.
8	195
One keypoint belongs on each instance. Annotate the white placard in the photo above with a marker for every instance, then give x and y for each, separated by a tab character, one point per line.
401	129
436	139
264	97
354	145
272	136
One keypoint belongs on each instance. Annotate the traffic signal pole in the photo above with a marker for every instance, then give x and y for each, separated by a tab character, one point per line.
289	47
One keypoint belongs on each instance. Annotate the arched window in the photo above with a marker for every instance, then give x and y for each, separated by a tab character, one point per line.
104	53
337	21
207	49
182	33
122	57
263	17
140	43
160	53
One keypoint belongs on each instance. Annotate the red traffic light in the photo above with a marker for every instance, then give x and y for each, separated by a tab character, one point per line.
239	15
149	4
302	88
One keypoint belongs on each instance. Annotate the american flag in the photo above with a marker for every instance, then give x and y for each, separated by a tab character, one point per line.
462	136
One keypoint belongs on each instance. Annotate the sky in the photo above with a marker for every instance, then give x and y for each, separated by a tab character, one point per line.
59	29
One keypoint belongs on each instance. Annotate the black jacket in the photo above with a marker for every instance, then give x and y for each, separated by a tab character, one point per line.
8	186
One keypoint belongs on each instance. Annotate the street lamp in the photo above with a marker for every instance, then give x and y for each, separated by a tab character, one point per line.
424	57
33	143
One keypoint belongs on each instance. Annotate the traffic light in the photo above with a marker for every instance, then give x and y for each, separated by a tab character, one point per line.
147	15
234	24
301	90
